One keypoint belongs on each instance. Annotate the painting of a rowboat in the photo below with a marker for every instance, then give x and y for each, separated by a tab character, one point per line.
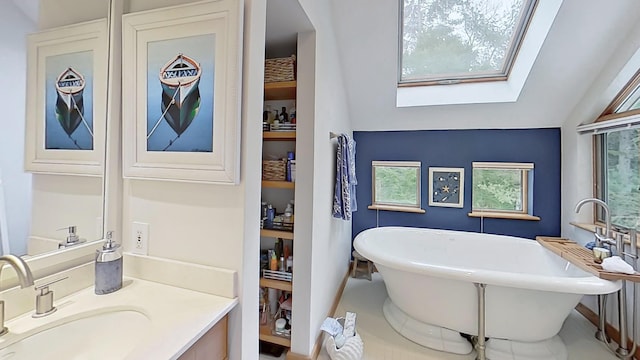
69	102
180	94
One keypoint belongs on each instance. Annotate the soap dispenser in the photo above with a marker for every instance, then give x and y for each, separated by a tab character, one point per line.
108	267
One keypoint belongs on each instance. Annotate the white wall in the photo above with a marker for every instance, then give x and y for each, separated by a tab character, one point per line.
330	247
14	25
215	225
577	158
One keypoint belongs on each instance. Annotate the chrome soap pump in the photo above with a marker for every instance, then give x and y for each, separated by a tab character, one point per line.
108	267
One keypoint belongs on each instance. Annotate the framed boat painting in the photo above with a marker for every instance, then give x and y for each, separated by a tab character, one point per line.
66	99
181	92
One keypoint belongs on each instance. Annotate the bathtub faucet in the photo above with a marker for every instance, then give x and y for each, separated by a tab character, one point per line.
600	238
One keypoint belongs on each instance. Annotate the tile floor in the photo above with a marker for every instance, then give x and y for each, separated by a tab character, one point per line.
381	342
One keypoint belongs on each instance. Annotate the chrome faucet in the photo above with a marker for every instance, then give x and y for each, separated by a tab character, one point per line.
600	238
601	333
24	276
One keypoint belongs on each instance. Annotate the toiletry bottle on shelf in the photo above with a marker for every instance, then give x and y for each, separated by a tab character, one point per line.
273	265
290	263
290	156
284	117
288	214
269	114
271	214
108	276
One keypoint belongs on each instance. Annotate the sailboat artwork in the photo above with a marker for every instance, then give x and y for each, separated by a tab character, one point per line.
69	107
180	104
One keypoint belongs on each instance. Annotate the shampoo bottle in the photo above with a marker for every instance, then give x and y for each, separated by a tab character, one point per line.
108	276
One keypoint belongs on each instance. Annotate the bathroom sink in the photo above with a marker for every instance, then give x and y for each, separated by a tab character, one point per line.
99	334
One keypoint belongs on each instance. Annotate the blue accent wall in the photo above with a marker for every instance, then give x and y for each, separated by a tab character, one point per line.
459	148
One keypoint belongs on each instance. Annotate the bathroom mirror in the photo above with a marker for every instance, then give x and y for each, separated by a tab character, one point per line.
37	209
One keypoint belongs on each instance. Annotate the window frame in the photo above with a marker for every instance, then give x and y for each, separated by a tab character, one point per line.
446	79
381	205
605	123
526	172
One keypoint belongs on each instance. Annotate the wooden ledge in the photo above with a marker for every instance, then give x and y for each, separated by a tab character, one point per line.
396	208
582	257
501	215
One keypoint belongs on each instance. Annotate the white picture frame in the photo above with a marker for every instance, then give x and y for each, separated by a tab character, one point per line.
446	187
177	62
66	99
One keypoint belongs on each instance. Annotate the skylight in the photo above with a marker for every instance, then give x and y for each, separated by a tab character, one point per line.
452	41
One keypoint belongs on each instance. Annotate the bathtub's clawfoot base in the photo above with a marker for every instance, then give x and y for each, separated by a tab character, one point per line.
550	349
431	336
600	333
480	342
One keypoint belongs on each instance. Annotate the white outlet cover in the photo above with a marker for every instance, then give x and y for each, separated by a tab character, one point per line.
140	238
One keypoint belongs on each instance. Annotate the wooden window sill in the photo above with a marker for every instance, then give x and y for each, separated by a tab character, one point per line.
584	226
396	208
499	215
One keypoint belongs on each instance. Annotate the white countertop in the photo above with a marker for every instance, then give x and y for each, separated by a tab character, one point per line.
178	317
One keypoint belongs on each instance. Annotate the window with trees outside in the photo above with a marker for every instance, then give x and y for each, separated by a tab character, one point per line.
617	160
502	190
451	41
396	186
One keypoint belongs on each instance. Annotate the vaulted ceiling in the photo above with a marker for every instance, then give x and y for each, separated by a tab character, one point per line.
588	38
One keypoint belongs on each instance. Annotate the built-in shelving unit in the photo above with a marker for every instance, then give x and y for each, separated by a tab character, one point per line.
280	234
276	284
280	90
274	92
279	135
266	335
278	184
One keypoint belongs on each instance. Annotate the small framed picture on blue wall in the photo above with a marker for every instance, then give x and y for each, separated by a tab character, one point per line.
446	187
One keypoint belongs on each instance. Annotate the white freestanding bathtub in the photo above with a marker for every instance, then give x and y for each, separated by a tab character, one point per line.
430	276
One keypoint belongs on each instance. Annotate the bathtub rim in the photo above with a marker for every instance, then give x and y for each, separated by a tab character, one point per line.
586	285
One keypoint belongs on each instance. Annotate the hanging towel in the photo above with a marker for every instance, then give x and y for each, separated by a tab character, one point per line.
344	197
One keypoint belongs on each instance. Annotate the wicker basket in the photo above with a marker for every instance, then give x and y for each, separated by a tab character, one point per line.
280	69
275	170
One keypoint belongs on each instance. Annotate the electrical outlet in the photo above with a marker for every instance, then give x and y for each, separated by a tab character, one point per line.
140	238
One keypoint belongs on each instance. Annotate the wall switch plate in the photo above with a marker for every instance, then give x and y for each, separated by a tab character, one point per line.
140	238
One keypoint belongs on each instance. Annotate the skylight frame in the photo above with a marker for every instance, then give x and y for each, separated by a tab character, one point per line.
517	39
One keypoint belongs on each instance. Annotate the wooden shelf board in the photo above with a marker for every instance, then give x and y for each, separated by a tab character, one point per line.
283	90
266	335
288	235
276	284
279	135
278	184
582	258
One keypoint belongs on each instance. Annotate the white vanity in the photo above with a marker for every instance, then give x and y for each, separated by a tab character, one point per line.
143	320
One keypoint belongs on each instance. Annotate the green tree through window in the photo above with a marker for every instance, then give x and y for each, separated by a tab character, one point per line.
622	181
396	183
446	39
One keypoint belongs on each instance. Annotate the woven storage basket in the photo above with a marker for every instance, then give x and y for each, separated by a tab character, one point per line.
280	69
275	170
